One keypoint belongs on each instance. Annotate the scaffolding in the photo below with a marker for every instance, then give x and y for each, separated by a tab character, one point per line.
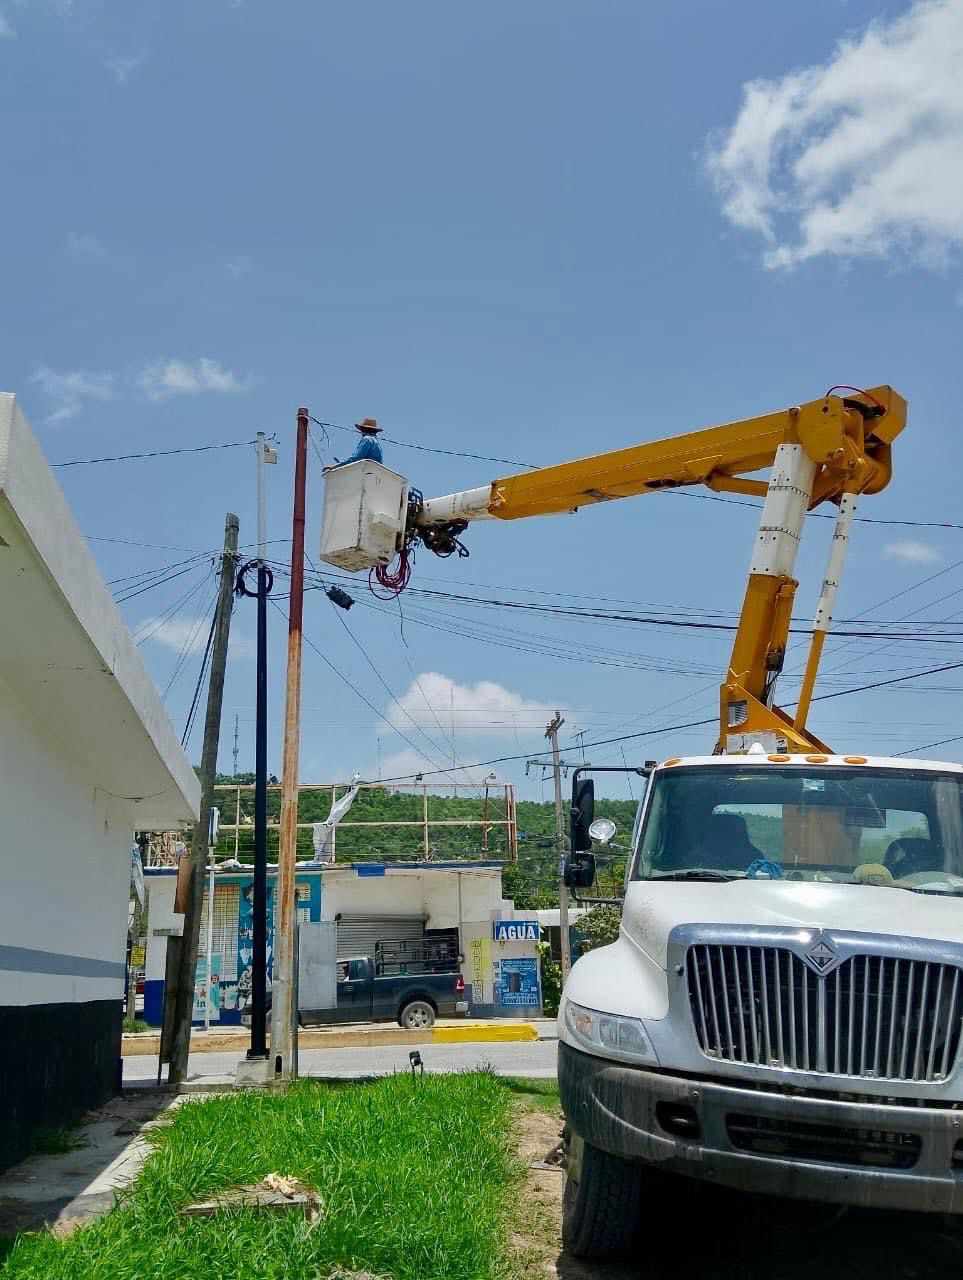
496	814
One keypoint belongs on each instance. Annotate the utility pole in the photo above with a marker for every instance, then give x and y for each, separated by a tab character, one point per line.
552	733
237	720
187	959
283	1036
257	1051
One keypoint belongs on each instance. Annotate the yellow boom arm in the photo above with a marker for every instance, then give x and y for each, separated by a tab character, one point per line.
831	449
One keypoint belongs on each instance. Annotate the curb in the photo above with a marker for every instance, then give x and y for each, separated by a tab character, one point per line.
139	1043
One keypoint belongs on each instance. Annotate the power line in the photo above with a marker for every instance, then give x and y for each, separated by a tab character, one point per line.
424	448
354	689
151	546
146	631
818	515
690	724
156	453
195	701
158	582
928	746
680	492
384	684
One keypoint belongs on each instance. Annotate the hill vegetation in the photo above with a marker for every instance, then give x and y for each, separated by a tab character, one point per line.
455	831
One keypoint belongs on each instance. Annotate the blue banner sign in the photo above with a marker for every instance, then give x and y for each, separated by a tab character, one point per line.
515	930
519	984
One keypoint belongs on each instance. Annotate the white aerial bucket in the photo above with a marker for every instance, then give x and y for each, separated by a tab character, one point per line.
363	523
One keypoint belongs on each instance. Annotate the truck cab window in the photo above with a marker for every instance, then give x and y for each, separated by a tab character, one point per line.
804	824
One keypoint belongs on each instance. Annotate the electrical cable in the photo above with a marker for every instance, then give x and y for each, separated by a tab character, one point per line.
690	724
354	689
818	515
147	630
144	574
150	586
424	448
186	649
195	701
157	453
928	746
384	684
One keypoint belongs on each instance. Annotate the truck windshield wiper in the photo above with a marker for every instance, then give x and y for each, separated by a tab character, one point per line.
699	873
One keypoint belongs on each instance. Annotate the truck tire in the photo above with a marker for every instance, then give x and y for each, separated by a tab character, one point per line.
417	1015
600	1212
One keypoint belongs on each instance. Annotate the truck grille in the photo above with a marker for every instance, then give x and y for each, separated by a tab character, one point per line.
875	1017
824	1143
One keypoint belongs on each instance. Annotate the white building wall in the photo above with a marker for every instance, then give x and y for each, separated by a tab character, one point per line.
66	870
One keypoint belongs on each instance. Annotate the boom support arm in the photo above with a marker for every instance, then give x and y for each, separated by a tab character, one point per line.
830	449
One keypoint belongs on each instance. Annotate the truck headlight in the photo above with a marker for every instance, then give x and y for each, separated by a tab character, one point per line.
608	1034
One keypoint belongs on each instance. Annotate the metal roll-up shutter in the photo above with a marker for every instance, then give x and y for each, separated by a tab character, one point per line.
357	935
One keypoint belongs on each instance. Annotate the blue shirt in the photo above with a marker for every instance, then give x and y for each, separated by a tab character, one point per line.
367	447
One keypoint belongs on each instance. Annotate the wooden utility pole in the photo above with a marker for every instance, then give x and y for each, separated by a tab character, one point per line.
562	843
283	1035
183	1002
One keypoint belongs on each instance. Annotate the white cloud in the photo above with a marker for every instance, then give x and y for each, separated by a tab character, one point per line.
240	265
80	245
67	391
122	68
482	708
184	634
859	156
157	381
913	552
181	634
179	378
6	31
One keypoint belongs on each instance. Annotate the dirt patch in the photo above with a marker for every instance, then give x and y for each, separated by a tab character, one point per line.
730	1236
537	1237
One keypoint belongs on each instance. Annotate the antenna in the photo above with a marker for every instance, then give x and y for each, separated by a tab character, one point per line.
236	719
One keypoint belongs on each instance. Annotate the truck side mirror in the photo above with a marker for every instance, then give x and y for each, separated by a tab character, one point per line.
583	814
579	871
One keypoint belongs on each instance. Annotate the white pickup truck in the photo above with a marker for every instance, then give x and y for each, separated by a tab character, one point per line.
782	1011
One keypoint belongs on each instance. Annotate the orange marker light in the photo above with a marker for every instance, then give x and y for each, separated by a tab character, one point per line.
855	759
674	760
817	759
779	759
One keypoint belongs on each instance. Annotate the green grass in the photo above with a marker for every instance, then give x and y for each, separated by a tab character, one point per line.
417	1178
534	1093
55	1142
136	1024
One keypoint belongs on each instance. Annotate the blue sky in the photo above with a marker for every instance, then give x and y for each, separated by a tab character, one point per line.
531	231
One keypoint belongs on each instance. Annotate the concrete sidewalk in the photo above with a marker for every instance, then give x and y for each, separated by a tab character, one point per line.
65	1190
359	1035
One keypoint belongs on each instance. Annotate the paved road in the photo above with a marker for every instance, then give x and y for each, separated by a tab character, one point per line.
534	1058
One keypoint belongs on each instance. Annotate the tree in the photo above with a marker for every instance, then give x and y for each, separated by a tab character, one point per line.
599	926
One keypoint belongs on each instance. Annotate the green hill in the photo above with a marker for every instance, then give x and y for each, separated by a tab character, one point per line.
533	882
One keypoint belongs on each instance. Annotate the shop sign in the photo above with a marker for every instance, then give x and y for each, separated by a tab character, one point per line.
516	930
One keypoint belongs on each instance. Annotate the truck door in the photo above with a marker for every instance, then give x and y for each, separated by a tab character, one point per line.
354	990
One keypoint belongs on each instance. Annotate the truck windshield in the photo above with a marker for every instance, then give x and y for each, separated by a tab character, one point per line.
713	822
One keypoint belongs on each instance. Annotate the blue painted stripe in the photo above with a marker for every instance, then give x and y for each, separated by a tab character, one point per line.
26	960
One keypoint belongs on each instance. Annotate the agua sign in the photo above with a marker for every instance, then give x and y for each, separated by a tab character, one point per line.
515	930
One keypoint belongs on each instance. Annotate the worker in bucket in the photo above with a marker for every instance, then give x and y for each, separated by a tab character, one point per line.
368	446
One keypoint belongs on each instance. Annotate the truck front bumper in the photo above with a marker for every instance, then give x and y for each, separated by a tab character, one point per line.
803	1147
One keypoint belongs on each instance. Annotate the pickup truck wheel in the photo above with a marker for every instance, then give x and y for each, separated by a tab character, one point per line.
600	1211
417	1015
